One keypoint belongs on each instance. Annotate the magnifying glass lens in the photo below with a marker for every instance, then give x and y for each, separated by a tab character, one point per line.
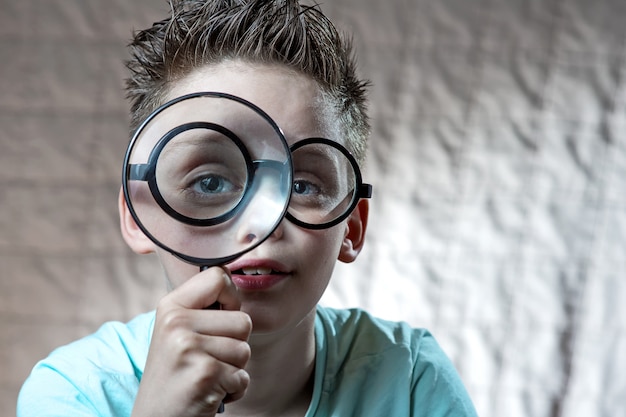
207	177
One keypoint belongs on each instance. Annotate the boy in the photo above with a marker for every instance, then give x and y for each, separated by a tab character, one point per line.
270	350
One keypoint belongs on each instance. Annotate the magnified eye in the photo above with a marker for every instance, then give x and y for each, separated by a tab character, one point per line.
203	195
213	184
212	188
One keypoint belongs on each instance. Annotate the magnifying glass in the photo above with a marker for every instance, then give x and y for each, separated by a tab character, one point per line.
220	170
218	166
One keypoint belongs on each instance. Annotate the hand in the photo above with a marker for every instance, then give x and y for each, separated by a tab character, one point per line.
197	356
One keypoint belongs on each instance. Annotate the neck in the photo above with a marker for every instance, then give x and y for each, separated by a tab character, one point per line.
281	372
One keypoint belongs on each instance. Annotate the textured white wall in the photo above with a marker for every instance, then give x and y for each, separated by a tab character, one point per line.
498	159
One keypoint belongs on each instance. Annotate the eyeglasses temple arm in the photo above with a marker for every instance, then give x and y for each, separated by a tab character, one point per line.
365	191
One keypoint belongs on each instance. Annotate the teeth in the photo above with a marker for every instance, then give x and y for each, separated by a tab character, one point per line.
257	271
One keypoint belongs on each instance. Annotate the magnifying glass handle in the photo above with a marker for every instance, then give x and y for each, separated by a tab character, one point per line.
215	306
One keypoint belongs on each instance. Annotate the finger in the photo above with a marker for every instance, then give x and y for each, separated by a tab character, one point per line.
204	289
229	386
231	324
235	383
226	349
180	325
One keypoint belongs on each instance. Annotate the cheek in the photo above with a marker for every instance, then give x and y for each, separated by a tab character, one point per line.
325	249
177	272
325	244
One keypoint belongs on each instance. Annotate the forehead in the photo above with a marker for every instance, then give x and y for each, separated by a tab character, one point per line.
293	100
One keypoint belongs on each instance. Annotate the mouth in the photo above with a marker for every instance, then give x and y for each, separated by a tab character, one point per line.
257	276
256	271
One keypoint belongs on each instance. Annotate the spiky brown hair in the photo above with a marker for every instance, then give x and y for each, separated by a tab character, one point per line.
283	32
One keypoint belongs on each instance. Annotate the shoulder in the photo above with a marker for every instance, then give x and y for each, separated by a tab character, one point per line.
115	346
354	334
390	366
356	325
104	365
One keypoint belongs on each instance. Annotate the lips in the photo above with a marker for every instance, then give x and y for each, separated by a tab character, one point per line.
255	271
257	275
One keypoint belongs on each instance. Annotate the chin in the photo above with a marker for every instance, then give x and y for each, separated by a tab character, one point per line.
265	320
270	319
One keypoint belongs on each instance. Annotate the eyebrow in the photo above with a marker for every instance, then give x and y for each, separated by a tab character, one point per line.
219	141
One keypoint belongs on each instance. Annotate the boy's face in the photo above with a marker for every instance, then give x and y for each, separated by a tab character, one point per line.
281	280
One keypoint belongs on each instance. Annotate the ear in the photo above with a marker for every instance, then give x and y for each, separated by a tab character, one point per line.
354	237
132	234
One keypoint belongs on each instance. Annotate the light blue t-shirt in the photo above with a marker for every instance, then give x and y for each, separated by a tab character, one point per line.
365	367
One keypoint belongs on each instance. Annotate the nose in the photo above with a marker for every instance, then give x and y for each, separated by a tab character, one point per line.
279	231
259	219
253	229
250	228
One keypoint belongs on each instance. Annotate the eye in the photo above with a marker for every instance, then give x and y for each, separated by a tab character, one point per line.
212	184
302	187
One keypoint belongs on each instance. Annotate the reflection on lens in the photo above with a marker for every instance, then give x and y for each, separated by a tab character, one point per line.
201	174
324	183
